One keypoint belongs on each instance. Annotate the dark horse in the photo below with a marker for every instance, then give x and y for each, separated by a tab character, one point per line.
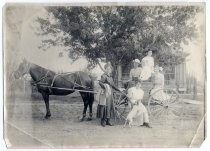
50	83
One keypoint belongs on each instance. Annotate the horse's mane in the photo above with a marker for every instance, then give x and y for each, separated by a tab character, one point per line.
35	66
38	72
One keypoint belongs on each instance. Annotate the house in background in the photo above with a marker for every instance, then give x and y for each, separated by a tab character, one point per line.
176	78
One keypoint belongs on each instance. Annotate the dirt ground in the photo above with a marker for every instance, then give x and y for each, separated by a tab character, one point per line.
25	127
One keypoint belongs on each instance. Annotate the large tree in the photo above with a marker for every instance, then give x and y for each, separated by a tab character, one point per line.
121	33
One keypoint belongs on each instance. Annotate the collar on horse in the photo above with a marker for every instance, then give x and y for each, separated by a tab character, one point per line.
39	80
44	77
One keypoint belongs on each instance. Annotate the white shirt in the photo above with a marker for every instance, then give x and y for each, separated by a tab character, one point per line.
135	72
148	62
147	67
158	79
135	93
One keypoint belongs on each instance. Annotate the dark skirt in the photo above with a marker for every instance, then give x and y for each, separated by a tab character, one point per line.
104	112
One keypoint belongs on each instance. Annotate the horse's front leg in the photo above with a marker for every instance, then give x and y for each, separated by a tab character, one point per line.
46	100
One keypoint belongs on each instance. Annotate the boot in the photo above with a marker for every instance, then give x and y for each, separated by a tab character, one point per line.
103	123
147	125
108	122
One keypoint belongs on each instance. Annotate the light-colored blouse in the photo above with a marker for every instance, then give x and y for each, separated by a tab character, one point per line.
148	62
135	93
158	80
135	73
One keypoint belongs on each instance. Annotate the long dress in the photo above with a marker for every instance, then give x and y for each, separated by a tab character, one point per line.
157	91
147	68
105	105
135	96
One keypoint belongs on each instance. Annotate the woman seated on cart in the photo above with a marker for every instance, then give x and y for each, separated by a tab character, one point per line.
158	85
105	106
134	73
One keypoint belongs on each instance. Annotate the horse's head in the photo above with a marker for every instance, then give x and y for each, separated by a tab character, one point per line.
23	69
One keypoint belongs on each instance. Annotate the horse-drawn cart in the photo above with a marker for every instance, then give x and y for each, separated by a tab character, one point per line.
170	107
159	109
50	83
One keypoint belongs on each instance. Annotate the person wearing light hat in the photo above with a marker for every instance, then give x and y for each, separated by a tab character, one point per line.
158	84
105	105
135	71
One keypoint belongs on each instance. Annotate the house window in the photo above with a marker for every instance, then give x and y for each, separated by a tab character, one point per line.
169	75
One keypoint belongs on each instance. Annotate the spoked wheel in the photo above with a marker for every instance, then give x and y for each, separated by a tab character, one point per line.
164	104
120	104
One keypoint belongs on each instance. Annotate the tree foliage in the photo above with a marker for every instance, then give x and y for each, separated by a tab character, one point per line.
121	33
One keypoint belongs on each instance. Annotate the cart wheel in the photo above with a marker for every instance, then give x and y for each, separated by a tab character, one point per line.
165	104
120	104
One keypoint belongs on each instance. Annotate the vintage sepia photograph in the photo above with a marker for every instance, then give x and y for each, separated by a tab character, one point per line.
104	75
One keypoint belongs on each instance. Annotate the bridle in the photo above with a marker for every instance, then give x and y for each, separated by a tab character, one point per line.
27	71
28	66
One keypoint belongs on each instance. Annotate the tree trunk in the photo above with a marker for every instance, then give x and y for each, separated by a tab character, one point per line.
119	75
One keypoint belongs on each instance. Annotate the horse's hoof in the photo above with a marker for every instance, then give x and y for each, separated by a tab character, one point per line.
47	117
89	119
82	119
